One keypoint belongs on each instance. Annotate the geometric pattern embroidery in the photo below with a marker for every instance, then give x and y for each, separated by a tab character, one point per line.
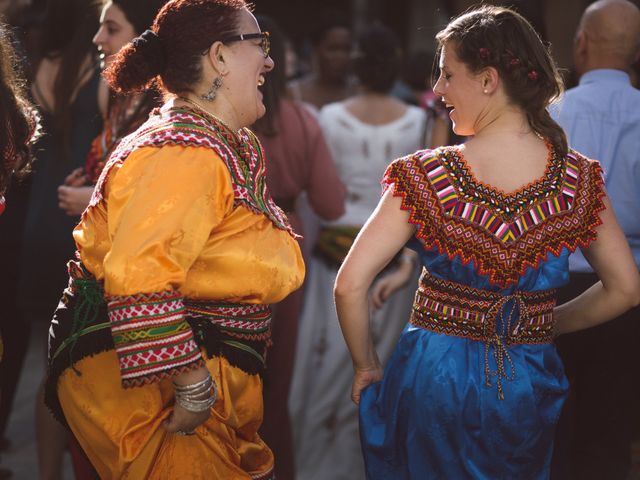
152	337
241	152
503	234
455	309
242	321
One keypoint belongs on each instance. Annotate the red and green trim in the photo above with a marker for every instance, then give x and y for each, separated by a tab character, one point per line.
152	337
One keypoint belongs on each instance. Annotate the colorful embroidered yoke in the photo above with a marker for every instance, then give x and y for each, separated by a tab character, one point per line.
241	152
502	234
475	385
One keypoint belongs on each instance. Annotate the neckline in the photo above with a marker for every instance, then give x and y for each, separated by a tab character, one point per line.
234	138
539	181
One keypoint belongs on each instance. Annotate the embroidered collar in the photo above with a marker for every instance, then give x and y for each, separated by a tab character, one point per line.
548	215
241	152
505	204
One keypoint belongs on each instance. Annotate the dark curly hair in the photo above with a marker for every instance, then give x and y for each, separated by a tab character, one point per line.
377	59
501	38
184	29
18	118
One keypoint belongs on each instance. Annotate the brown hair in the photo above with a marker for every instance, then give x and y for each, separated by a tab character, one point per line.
184	29
499	37
18	118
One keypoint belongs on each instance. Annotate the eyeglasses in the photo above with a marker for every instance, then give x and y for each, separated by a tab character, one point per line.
265	42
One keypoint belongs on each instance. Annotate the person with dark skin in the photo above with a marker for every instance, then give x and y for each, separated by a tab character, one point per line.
363	132
330	79
298	161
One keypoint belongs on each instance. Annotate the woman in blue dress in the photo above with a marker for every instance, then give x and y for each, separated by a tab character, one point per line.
474	387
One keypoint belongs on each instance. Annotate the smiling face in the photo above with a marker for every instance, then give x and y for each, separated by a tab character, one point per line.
461	91
114	33
247	67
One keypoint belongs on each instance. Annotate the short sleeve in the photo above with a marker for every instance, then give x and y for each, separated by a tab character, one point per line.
408	178
590	199
162	205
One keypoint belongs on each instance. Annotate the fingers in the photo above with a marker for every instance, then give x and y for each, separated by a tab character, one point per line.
380	293
76	178
63	198
182	420
355	393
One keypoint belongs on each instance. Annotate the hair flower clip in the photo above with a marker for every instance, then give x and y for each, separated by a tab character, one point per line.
514	62
533	75
484	53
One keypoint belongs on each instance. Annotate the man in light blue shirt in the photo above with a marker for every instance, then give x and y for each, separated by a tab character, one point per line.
601	117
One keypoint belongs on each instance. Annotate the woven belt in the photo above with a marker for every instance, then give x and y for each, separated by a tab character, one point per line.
238	322
497	320
246	327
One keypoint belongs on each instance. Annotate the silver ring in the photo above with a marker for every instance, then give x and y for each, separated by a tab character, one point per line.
185	433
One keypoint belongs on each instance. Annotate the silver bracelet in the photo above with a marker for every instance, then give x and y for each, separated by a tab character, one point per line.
190	397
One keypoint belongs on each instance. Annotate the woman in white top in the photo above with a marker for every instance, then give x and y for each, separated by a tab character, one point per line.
365	133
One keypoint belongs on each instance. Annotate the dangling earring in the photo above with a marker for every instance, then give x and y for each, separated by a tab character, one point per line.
210	96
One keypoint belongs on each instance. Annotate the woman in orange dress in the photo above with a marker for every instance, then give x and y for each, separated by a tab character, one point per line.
157	348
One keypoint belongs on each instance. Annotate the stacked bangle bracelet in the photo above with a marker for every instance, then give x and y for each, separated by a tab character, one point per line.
197	397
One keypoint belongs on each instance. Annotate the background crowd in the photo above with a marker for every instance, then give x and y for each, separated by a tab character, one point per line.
345	99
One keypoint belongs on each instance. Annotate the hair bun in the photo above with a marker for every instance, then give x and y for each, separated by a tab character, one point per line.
150	45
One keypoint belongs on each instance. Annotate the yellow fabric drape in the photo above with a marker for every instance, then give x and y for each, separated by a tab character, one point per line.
168	221
121	430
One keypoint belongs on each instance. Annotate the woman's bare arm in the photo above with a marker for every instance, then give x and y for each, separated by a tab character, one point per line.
384	234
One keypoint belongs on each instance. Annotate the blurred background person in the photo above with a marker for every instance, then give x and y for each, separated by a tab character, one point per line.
65	88
18	127
601	117
365	133
297	160
120	22
413	87
331	78
13	190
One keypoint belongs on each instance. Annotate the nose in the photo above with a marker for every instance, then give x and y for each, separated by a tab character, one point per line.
268	64
98	38
438	87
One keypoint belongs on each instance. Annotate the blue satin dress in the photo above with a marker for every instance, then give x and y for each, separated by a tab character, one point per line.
433	416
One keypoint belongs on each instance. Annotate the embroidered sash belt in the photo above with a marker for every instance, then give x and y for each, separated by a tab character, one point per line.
497	320
81	328
243	326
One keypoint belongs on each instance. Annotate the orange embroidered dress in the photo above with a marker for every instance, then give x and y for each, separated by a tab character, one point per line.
475	386
179	255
